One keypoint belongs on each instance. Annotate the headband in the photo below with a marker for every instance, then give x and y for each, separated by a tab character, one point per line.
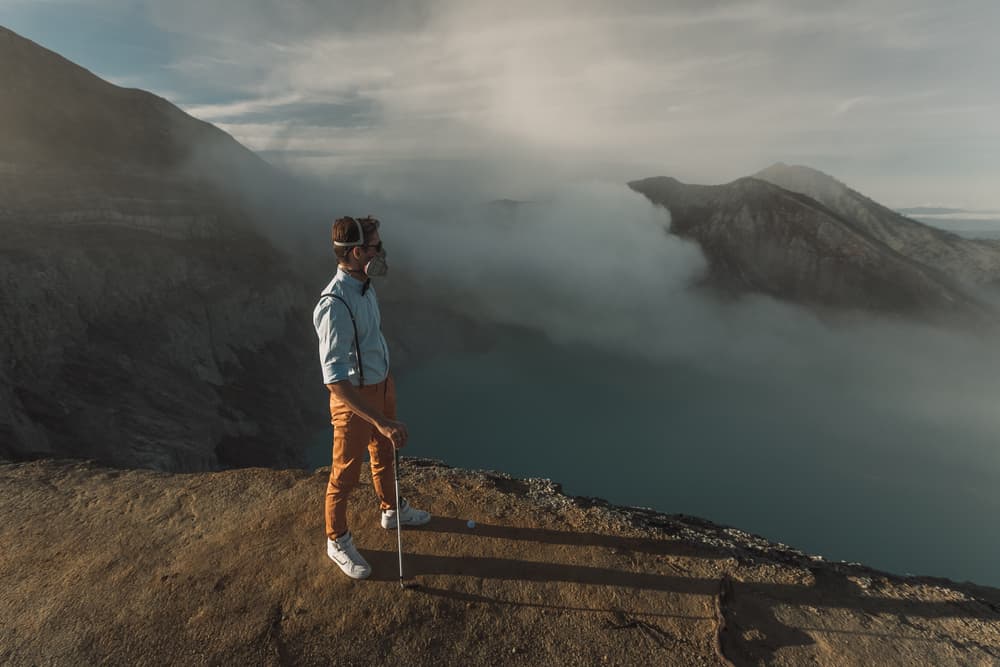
361	236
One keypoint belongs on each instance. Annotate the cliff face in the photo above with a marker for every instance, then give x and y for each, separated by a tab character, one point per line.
140	350
969	261
762	238
146	322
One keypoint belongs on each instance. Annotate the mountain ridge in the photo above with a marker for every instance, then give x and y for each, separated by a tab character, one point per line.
105	126
761	237
968	261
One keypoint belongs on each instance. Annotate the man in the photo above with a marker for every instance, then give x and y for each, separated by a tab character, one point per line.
355	361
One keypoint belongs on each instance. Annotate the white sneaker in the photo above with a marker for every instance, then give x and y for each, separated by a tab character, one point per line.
409	516
343	552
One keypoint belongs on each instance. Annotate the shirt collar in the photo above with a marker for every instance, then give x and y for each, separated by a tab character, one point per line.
355	284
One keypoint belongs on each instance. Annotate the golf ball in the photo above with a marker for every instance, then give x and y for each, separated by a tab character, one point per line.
470	523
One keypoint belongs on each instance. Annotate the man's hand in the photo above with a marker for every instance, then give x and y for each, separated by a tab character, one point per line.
395	431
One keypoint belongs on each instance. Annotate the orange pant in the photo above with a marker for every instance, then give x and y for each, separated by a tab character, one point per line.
351	436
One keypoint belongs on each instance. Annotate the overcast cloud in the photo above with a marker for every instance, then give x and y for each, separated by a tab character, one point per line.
434	98
895	99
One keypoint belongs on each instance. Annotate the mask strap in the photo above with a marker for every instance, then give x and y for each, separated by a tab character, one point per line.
351	244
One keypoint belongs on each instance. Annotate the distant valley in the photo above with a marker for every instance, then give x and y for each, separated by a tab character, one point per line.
965	223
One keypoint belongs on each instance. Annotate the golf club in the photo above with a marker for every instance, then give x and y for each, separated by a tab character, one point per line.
399	521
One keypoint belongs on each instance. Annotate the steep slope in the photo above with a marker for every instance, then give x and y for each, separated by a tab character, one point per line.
230	568
146	322
56	113
966	260
763	238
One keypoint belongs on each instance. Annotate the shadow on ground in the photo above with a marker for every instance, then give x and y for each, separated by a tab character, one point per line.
748	626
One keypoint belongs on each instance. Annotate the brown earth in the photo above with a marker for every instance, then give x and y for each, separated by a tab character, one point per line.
108	566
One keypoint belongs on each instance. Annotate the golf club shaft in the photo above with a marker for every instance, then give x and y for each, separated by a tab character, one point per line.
399	522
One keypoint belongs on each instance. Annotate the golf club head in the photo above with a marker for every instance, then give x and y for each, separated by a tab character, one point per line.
408	585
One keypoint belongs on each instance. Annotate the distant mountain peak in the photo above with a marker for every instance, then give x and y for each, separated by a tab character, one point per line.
657	179
781	170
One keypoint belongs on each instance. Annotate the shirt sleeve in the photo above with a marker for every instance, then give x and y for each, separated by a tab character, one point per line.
336	339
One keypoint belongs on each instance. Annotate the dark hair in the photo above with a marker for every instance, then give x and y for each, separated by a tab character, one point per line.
345	230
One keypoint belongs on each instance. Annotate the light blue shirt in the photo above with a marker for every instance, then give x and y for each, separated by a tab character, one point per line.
337	353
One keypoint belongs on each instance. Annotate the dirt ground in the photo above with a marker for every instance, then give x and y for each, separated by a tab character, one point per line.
107	566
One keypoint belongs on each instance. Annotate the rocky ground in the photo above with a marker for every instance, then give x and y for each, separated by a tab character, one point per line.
109	566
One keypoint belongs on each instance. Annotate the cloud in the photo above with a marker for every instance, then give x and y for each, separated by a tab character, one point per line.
241	108
706	92
847	105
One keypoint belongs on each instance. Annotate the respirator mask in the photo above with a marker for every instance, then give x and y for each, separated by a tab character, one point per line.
377	267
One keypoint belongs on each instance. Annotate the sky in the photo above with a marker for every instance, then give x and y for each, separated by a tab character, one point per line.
428	98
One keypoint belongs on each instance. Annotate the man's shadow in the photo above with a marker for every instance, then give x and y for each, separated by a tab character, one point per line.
614	543
835	593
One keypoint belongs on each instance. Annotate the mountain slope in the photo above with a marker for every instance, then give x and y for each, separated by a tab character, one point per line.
147	322
966	260
56	113
763	238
